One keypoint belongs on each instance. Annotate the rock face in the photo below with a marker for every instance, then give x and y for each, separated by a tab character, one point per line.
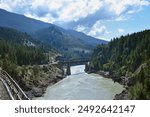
126	82
122	96
37	92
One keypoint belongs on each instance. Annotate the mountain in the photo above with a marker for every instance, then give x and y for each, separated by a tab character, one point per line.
87	39
29	25
20	22
127	57
72	43
61	40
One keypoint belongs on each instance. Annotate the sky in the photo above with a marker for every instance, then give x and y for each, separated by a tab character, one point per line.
103	19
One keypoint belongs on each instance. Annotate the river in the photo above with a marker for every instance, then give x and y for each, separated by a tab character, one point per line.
82	86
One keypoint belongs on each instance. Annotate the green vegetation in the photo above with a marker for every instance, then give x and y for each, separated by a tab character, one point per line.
127	56
18	50
20	54
141	89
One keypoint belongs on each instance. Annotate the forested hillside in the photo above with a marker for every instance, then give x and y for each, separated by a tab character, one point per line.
127	56
25	59
17	48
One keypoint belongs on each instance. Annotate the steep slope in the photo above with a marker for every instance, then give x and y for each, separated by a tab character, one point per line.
59	39
127	56
21	48
17	37
127	51
20	22
26	60
87	39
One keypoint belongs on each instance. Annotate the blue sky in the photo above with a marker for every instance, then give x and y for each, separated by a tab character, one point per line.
104	19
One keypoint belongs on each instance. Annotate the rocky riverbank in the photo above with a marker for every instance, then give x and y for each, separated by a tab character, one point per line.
124	95
35	79
125	81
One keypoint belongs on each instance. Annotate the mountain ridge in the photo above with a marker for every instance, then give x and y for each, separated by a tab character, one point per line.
20	22
71	45
89	39
30	25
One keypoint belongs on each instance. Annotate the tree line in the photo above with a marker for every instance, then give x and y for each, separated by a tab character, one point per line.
127	56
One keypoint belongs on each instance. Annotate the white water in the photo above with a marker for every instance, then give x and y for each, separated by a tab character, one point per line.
82	86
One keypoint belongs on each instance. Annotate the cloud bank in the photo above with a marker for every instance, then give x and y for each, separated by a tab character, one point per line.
83	15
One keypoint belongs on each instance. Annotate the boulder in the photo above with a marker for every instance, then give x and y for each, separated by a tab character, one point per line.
37	92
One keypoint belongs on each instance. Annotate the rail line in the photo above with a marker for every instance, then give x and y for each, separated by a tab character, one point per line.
13	89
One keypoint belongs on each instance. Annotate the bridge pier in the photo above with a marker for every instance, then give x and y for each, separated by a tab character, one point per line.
68	69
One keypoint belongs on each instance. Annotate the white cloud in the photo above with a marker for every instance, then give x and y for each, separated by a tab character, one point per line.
72	10
120	30
97	30
5	6
122	18
85	15
82	28
79	9
18	6
122	6
64	10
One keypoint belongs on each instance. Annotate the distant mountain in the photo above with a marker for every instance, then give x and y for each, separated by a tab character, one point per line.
20	22
70	42
29	25
87	39
59	39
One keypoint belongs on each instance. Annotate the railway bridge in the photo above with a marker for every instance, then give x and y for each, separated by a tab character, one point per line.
70	63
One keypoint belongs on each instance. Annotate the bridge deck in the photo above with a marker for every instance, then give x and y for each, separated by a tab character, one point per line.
3	93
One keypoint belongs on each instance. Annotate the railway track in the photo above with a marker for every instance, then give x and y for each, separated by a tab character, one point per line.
13	90
3	93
